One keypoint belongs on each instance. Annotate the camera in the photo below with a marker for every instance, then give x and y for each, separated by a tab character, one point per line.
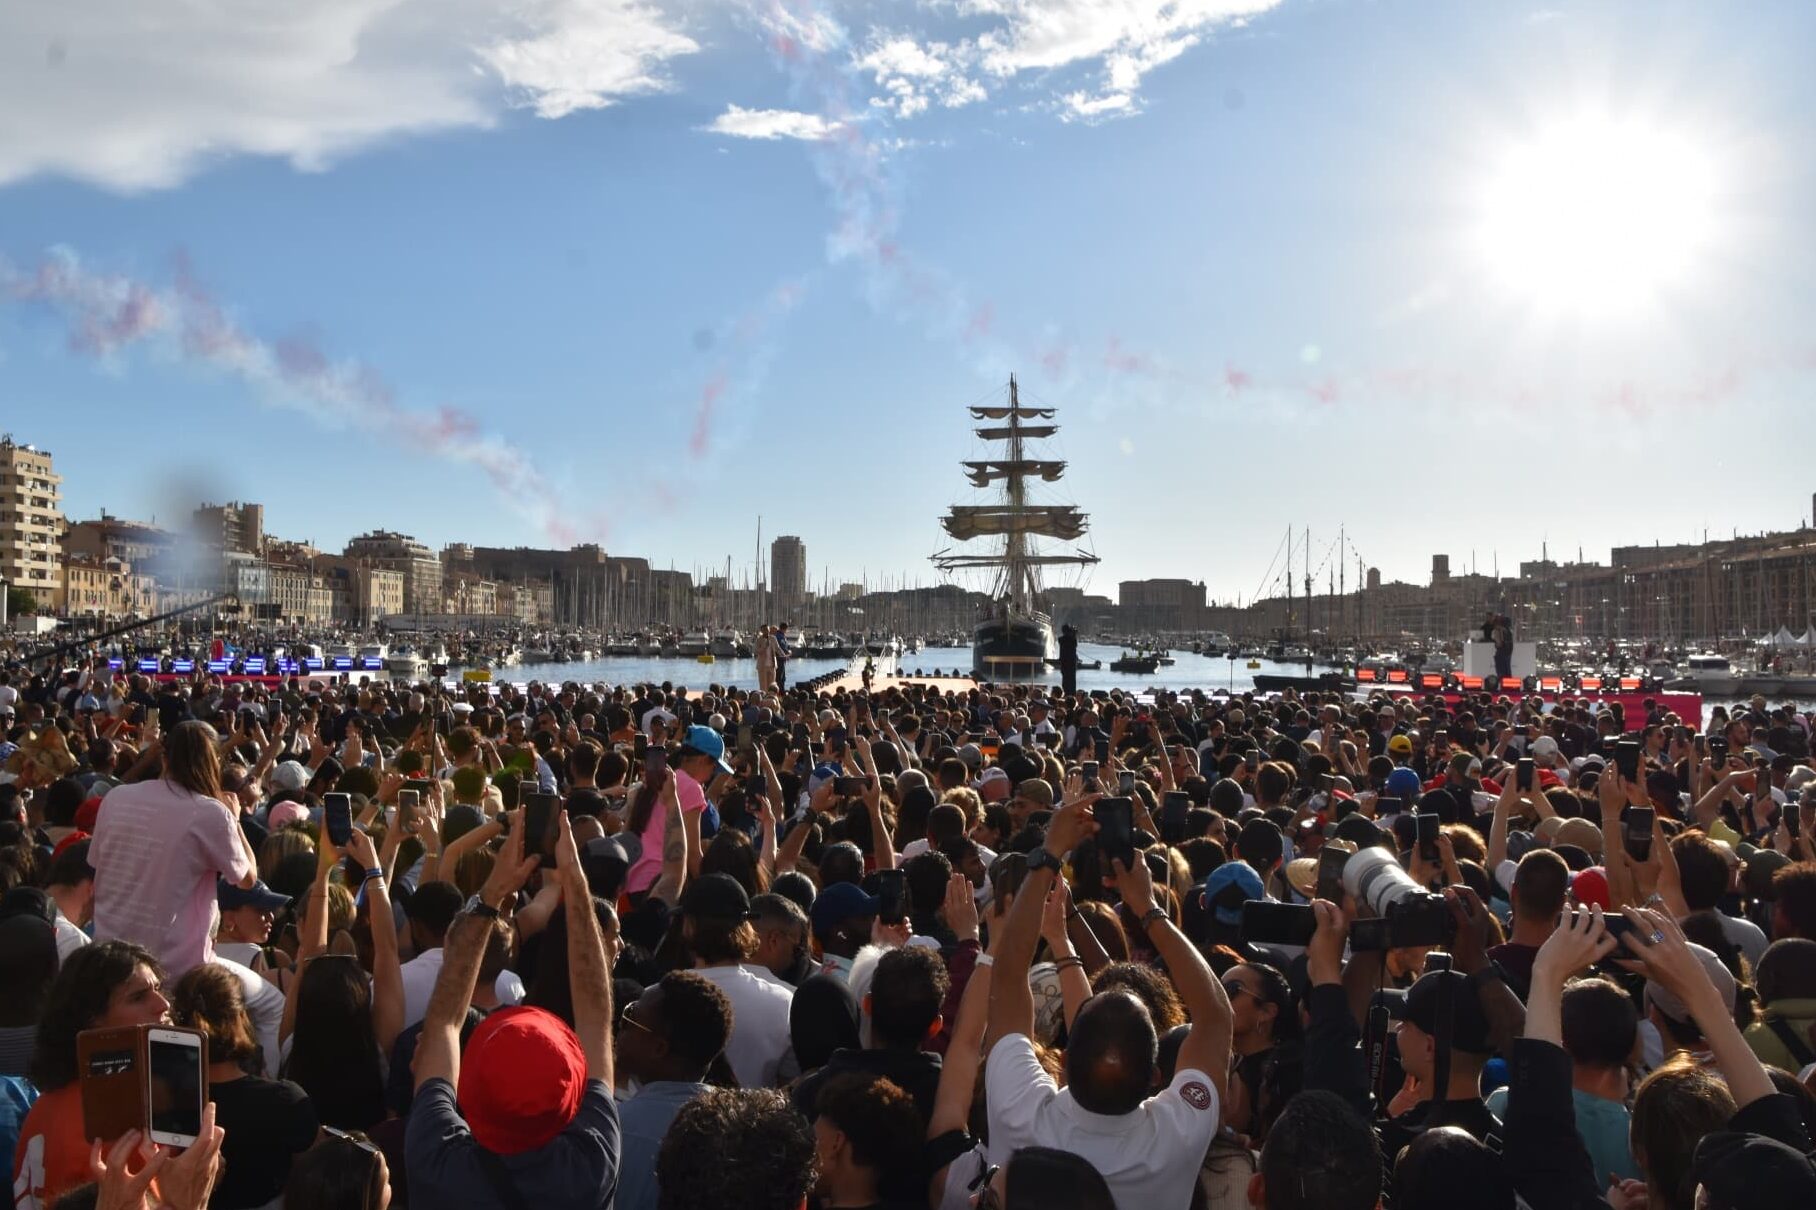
1406	913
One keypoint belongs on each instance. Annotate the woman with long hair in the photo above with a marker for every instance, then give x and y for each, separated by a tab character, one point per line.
161	846
267	1121
105	985
340	1021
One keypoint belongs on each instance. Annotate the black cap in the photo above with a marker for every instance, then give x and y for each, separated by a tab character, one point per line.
1753	1171
1418	1005
719	896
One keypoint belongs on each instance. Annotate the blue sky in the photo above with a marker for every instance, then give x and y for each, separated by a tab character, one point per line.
1459	278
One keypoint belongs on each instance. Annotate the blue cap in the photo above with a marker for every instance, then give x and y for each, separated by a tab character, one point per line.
1404	783
840	902
707	742
1239	875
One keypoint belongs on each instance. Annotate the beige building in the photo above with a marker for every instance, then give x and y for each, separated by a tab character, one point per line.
469	593
363	593
103	589
298	594
421	567
232	527
31	525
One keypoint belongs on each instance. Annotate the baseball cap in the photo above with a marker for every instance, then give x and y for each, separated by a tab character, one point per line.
289	775
1545	746
1230	886
972	755
1754	1171
521	1079
719	896
840	902
257	895
1418	1005
1590	886
283	814
1400	745
707	742
1665	1000
1037	791
1404	783
993	786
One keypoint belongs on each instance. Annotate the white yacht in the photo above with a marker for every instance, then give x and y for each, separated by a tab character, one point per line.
693	643
725	643
1713	674
406	665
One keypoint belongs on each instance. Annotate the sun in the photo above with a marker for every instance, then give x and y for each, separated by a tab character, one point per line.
1597	216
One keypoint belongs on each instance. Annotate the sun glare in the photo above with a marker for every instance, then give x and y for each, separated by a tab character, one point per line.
1597	216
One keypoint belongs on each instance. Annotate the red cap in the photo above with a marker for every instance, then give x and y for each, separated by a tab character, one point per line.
86	815
76	837
521	1078
1590	886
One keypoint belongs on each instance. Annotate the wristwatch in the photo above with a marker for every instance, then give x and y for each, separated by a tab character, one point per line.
475	906
1043	859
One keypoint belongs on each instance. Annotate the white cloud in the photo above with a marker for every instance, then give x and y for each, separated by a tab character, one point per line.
1123	39
135	96
772	124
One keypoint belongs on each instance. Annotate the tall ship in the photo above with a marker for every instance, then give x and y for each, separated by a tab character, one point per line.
1015	641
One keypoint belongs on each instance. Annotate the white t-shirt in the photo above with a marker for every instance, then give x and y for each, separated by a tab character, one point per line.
1745	936
761	1048
1150	1158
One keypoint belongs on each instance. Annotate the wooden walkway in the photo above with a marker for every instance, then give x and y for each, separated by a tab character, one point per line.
888	673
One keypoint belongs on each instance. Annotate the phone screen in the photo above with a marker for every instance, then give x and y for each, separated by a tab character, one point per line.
1428	836
1330	874
655	765
539	824
1278	923
892	890
1125	782
1087	771
337	816
1115	829
746	737
1174	809
1522	773
1251	760
408	802
1626	759
849	787
1103	749
176	1087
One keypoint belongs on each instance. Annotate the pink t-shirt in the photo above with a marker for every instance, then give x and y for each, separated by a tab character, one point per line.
643	875
157	852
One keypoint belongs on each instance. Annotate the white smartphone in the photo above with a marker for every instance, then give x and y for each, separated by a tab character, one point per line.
178	1077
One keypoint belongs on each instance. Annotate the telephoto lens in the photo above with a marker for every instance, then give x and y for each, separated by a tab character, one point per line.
1374	876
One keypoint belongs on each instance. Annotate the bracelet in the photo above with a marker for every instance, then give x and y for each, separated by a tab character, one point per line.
1151	915
1063	963
374	872
986	960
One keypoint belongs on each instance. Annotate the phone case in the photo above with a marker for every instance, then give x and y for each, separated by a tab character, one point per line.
113	1067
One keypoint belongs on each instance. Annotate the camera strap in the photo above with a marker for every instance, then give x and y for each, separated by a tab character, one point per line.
1440	1066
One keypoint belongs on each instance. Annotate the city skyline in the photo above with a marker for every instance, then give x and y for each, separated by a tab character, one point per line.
1472	280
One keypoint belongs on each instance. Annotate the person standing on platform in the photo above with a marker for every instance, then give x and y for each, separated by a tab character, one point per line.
783	651
1068	659
766	659
1501	634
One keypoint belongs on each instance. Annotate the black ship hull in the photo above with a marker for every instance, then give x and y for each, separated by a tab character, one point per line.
1017	647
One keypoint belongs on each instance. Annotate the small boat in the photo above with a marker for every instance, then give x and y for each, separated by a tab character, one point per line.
1253	664
1713	675
1137	663
705	657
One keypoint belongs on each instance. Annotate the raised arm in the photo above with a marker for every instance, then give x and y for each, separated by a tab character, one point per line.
1074	984
678	841
1011	1003
589	970
1207	1045
387	974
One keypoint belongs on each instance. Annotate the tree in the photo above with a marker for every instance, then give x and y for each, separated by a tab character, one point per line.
20	600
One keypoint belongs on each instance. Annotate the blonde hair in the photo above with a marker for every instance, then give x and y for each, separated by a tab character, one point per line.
285	842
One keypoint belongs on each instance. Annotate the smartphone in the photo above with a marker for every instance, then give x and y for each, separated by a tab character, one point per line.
419	786
1278	923
1125	782
1626	759
408	803
801	736
337	817
756	786
539	824
836	738
1428	837
640	746
655	765
1326	781
1115	830
1050	739
892	891
1522	773
1637	832
1251	760
1103	749
849	787
1331	861
746	737
1087	770
1174	808
1699	742
1718	750
177	1071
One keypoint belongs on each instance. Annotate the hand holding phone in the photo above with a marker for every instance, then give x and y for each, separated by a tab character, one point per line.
892	892
1115	830
337	818
1636	833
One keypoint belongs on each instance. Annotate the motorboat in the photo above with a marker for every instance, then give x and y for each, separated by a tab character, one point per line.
1138	663
724	644
694	643
1713	675
405	664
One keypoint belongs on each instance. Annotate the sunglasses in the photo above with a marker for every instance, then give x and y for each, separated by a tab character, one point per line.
983	1190
358	1140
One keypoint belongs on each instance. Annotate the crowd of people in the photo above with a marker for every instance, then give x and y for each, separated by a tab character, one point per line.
576	946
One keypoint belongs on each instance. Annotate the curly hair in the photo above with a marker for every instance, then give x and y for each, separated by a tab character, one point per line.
877	1118
761	1149
85	986
1147	985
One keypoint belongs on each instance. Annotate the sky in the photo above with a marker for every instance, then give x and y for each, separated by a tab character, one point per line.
1475	279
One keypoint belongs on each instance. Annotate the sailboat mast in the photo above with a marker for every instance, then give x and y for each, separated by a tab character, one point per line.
1013	547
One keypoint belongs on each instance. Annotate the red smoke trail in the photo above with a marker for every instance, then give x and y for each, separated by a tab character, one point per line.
106	314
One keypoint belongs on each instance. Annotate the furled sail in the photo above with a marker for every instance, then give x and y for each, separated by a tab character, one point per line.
983	474
1027	432
1052	520
1020	413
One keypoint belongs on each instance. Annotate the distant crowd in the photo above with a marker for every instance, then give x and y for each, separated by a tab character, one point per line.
659	948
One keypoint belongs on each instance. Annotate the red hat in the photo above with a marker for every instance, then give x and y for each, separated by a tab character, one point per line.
86	815
74	838
521	1078
1590	886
